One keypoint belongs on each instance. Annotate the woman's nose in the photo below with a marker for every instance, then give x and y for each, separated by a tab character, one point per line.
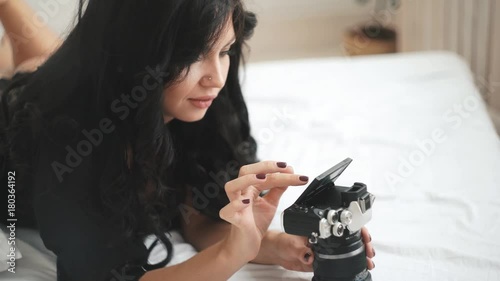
213	74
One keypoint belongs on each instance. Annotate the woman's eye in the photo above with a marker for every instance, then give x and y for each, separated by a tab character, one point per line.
229	52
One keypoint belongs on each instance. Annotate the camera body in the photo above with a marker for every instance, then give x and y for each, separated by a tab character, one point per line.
332	217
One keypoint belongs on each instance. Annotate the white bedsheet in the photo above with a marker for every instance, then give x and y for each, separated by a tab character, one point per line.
434	170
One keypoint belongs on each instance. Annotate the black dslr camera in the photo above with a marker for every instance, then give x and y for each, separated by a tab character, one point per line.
332	217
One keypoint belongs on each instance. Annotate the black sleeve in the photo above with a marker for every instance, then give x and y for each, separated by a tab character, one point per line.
85	244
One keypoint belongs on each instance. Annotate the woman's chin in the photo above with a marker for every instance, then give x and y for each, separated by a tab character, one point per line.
186	115
191	117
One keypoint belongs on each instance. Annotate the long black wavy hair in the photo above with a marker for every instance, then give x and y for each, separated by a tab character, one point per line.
115	46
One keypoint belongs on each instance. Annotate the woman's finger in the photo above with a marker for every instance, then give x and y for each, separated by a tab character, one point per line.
274	195
370	264
370	251
262	182
365	235
280	180
263	167
230	212
235	187
288	170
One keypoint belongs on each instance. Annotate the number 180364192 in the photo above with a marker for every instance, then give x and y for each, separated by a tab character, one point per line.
11	197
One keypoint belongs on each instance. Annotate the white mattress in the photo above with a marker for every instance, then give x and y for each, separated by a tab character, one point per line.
439	220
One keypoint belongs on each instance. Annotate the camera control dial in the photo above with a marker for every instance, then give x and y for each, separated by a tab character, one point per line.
332	216
346	217
338	229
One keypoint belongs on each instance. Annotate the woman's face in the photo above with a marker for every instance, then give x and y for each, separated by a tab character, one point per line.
189	99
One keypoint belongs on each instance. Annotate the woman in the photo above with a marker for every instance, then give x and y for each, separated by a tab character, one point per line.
137	125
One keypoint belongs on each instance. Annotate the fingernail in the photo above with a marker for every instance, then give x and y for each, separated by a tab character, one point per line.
246	201
261	176
281	164
307	256
304	178
370	237
373	264
373	250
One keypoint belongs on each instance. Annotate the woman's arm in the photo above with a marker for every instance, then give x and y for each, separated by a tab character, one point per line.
202	231
217	262
29	38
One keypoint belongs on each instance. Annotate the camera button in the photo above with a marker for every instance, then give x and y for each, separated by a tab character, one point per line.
346	217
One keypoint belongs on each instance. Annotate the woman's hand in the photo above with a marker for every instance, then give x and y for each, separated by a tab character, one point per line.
250	214
370	251
293	252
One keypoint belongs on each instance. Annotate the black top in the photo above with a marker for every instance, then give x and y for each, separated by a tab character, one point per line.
80	239
85	244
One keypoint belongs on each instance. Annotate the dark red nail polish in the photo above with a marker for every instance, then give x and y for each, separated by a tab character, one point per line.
281	164
261	176
373	250
370	238
304	178
246	201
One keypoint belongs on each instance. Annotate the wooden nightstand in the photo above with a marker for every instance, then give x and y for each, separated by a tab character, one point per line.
369	40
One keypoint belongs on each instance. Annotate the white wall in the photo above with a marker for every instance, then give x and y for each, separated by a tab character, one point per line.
469	28
303	28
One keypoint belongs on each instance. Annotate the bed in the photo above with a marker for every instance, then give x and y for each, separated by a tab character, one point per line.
420	138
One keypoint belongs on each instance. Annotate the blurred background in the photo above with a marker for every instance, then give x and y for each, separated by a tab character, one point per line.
294	29
291	29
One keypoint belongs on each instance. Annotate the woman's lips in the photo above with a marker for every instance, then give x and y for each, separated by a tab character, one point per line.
202	102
